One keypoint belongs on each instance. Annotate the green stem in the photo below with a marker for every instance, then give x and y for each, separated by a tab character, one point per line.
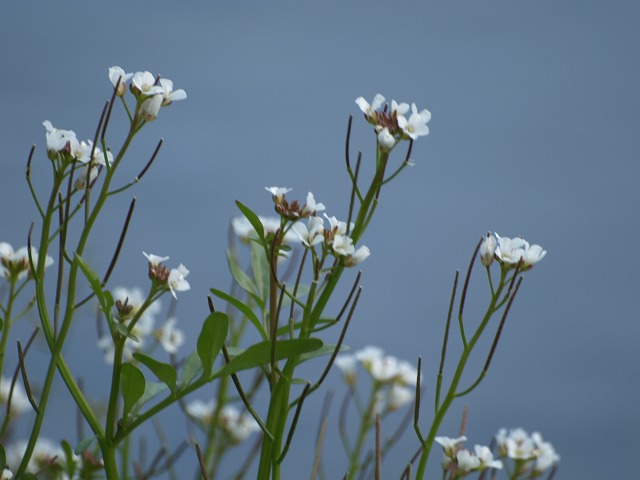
452	392
366	422
7	320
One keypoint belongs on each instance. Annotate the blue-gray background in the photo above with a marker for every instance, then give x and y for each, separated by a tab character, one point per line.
535	132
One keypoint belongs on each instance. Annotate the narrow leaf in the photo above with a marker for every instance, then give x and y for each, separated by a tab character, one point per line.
133	384
260	354
212	337
260	268
191	368
242	279
253	220
106	302
246	311
84	444
165	372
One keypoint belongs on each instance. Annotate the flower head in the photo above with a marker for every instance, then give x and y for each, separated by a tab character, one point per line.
16	263
170	337
357	257
510	251
119	78
177	282
278	193
170	95
487	249
370	109
58	140
416	125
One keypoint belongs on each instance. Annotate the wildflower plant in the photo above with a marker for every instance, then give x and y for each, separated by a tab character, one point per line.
292	289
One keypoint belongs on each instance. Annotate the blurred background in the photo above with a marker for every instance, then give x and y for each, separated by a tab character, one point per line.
535	132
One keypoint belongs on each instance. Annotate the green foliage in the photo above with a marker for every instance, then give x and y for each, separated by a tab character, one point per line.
165	372
211	338
260	354
133	385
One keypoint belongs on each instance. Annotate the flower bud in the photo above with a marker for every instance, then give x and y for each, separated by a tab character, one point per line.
150	107
487	249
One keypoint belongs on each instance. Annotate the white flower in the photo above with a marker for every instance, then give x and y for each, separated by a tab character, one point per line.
81	182
368	355
399	396
145	83
170	337
45	453
487	249
155	259
370	109
485	456
348	365
278	193
343	245
399	109
532	255
310	234
311	207
168	94
546	454
337	227
238	425
359	256
243	228
17	262
150	107
516	444
450	445
466	461
19	401
511	250
57	139
386	140
117	74
6	474
201	410
177	282
416	126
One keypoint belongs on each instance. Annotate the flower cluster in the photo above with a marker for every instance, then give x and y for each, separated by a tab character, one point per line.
174	280
335	238
393	126
529	452
509	252
237	425
128	303
465	461
394	380
15	263
65	144
151	92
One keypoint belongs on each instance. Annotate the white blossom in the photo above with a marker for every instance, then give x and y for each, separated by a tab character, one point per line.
310	234
466	461
487	249
169	94
177	282
312	207
150	107
416	125
359	256
117	74
348	365
370	109
170	337
386	140
57	139
278	192
155	259
201	410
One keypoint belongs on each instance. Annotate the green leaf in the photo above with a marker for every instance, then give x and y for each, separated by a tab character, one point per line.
253	220
261	270
106	302
151	389
3	457
132	384
165	372
191	368
239	275
260	354
84	444
246	311
324	350
211	338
